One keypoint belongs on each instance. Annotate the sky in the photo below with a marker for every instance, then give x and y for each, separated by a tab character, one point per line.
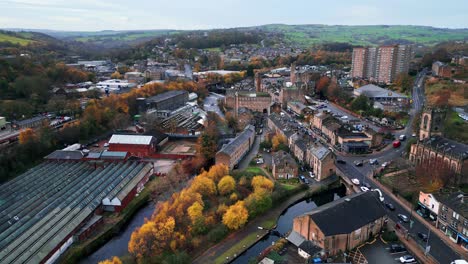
94	15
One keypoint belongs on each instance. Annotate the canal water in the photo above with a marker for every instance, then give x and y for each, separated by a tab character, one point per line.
285	222
118	246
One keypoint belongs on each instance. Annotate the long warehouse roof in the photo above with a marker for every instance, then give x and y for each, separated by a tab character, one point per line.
41	207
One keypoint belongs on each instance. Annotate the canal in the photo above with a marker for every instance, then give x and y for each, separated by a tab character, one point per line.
118	246
285	221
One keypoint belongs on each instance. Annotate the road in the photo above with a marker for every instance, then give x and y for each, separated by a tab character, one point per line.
211	103
439	250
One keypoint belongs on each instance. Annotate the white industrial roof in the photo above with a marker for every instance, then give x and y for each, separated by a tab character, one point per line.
130	139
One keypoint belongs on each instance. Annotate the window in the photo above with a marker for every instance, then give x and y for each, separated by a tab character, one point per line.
444	208
465	222
455	215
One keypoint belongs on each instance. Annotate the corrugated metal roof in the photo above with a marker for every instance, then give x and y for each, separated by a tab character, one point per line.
130	139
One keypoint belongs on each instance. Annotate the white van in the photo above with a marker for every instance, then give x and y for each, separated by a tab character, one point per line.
402	137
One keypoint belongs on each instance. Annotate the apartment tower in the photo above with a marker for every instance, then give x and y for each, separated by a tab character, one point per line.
381	64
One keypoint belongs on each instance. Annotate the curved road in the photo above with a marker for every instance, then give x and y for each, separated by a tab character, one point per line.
442	252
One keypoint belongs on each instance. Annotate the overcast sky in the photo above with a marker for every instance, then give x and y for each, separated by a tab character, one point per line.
204	14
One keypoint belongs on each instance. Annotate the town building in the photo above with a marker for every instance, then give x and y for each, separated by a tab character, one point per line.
453	217
298	108
381	64
385	99
344	224
115	86
434	150
166	102
441	69
137	145
134	77
258	102
233	152
321	160
46	208
284	166
428	205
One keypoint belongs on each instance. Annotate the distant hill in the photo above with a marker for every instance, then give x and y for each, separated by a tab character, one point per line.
24	38
306	35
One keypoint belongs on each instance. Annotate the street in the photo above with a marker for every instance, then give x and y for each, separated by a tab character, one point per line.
211	104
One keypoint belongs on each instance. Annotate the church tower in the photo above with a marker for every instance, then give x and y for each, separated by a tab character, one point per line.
432	122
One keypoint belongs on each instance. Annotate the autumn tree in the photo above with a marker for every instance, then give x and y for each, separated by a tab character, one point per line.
236	216
27	135
152	238
217	172
204	186
404	81
226	185
207	144
116	75
277	141
258	202
261	182
195	211
114	260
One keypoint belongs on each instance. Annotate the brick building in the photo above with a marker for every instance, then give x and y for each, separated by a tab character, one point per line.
233	152
321	160
284	166
137	145
453	217
259	102
167	101
344	224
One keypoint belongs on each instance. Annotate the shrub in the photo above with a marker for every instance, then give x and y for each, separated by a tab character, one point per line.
218	233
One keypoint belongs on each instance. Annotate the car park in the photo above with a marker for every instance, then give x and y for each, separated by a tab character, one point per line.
355	181
390	206
395	248
422	236
407	259
364	189
403	218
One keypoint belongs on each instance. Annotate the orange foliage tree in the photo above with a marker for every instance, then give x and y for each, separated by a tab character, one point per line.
236	216
27	135
114	260
226	185
261	182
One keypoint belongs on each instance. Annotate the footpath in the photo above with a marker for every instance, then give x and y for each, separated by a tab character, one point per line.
210	255
433	229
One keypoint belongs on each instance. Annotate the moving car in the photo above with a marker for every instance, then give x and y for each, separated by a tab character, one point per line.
373	161
403	218
394	248
390	206
367	185
402	137
355	181
407	259
396	143
364	189
341	161
422	236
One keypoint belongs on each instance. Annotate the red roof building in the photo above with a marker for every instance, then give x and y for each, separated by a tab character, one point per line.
136	145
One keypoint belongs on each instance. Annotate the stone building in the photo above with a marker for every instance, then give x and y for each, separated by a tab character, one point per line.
344	224
453	217
258	102
321	160
233	152
284	166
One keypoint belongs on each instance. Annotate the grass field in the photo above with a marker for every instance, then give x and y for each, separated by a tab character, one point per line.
456	128
366	35
15	40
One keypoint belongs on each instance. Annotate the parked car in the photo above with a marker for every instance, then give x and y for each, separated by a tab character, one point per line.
407	259
373	161
402	137
306	181
422	236
106	145
311	174
341	161
364	189
358	163
394	248
403	218
355	181
385	164
390	206
302	178
396	143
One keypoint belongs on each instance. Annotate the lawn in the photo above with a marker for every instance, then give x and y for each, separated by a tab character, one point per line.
15	40
247	241
269	224
456	128
288	187
255	170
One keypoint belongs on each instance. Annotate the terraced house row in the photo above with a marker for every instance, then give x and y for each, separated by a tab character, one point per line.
43	211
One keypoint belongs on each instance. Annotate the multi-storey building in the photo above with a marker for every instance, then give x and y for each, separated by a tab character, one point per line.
234	151
381	64
342	225
453	217
321	160
283	166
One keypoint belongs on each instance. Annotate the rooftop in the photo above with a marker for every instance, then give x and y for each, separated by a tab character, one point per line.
358	209
450	147
282	156
65	155
165	96
131	139
375	91
43	206
457	201
239	140
319	151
